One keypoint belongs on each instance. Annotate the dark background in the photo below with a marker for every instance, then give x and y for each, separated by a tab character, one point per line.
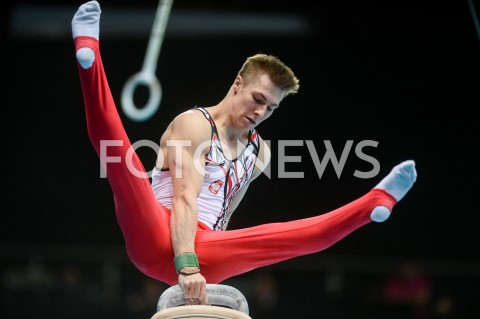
402	73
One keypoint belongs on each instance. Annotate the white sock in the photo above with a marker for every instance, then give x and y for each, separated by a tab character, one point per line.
380	214
400	179
85	57
397	183
86	21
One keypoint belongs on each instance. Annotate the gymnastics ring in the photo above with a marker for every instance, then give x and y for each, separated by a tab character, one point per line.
146	76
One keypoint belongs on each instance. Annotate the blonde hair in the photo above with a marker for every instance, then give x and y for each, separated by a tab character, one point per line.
279	73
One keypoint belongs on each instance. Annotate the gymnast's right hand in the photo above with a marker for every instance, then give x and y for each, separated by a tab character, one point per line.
194	288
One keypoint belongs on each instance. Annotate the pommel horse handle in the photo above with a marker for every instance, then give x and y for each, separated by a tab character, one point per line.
225	302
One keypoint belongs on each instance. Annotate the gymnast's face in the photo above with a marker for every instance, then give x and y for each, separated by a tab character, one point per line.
255	99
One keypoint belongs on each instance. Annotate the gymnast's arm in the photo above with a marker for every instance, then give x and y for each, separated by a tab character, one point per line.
187	131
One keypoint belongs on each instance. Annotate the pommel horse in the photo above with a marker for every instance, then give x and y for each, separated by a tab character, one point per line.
225	302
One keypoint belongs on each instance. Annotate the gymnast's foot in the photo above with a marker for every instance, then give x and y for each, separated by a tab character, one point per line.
397	183
86	22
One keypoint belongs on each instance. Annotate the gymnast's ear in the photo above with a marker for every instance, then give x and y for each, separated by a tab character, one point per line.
237	84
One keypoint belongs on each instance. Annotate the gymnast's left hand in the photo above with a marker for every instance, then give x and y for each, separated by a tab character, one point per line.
194	288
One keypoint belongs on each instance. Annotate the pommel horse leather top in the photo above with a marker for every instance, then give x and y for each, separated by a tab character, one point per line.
225	302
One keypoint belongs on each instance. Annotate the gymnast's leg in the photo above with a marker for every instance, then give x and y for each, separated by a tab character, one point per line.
230	253
143	221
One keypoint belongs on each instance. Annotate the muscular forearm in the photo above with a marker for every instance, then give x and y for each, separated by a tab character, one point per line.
183	226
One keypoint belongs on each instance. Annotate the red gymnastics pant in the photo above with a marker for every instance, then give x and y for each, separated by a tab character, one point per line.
144	221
